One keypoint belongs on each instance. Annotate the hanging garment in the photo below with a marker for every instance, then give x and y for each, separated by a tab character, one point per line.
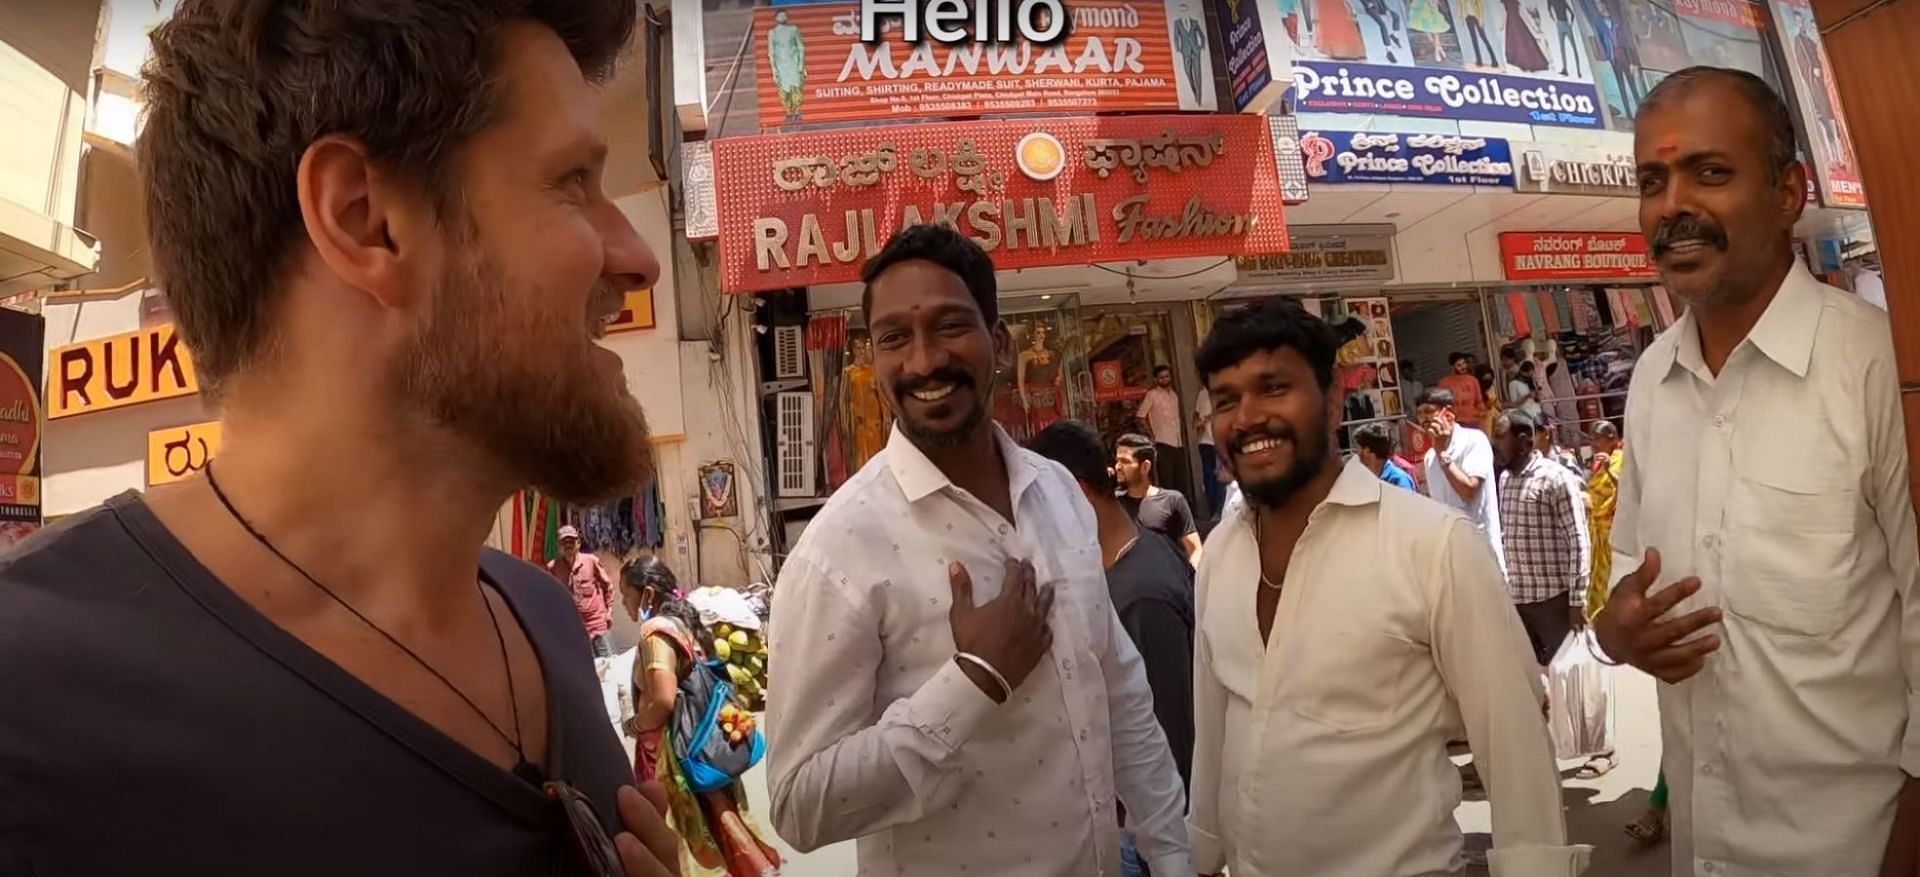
1517	306
1663	304
1534	318
1550	315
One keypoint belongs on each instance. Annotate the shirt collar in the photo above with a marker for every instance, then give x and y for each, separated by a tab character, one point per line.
919	478
1784	333
1356	486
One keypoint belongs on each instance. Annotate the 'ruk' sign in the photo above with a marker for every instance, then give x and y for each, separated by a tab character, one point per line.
1339	87
118	371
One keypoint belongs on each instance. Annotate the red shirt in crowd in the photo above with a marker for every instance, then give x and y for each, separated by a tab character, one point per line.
592	589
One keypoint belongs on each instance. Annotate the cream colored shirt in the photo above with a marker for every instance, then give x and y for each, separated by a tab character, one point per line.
1782	484
875	733
1323	751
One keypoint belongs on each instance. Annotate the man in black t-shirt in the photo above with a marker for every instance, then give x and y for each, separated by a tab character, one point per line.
1166	512
384	234
1149	580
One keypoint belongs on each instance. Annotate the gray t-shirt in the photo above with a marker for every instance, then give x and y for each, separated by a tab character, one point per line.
152	721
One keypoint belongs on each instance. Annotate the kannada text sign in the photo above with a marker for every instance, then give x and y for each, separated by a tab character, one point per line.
797	210
1555	256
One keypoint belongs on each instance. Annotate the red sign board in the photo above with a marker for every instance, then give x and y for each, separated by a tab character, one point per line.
814	68
804	209
1558	256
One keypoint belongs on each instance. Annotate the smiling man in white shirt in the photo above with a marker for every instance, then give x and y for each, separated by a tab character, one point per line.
926	696
1346	632
1765	487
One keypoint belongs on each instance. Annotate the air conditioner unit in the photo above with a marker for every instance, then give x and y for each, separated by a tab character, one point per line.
789	353
799	458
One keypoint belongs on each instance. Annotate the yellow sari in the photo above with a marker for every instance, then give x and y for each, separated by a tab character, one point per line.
1603	488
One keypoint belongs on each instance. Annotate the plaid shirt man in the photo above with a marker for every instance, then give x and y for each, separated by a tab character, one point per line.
1543	529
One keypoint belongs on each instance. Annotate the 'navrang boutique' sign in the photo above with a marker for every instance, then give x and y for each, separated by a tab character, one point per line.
797	210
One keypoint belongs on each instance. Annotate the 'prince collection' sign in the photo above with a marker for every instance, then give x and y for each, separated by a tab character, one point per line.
1446	159
1340	87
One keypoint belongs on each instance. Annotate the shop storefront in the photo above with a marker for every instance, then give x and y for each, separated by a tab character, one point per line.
1578	306
1103	230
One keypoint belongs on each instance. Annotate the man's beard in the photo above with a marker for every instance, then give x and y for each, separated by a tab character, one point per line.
520	383
1309	458
926	435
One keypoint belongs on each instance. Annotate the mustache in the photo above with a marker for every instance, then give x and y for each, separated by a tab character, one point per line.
1688	227
954	375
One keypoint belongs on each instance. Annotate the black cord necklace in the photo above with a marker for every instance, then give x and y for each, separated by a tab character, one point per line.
523	769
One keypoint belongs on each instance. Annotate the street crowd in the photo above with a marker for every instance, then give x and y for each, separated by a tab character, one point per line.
985	658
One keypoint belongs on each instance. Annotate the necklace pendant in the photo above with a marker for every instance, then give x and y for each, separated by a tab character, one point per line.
530	773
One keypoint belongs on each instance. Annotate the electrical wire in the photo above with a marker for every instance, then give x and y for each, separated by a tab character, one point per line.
1195	273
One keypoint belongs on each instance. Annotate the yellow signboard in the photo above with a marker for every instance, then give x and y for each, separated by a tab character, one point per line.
117	371
637	313
173	454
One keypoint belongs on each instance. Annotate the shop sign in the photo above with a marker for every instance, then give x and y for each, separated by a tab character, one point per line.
1286	158
1318	255
120	370
1574	170
1824	129
22	350
1116	55
1530	257
636	313
174	454
1362	157
696	168
1258	54
797	210
1110	383
1340	87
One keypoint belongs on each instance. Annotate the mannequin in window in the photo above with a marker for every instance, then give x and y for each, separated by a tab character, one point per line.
867	417
1037	375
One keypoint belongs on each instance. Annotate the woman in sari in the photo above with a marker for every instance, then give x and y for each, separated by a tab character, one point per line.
718	836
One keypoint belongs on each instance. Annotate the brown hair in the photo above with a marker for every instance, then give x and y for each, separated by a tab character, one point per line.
236	90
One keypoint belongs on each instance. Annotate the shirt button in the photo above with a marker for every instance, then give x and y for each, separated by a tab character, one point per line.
1720	420
1003	529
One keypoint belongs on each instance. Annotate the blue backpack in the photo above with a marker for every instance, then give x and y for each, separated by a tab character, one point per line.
707	759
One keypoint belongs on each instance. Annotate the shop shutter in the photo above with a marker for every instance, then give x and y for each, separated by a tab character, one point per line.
1427	332
796	472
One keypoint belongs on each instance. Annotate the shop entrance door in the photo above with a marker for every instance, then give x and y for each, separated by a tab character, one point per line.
1125	346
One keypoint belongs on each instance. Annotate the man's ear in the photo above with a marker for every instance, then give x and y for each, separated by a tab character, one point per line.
360	220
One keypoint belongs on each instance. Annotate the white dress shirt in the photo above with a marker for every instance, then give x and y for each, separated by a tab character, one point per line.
1323	751
1782	484
1473	451
875	733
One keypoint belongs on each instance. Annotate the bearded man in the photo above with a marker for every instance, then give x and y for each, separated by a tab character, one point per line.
383	233
1346	633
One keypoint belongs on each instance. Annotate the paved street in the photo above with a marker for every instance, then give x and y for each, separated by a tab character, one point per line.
1596	809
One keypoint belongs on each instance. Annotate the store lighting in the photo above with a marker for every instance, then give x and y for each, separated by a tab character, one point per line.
1046	296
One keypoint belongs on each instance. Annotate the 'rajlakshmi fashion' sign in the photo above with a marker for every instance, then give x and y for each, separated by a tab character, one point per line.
1328	87
803	209
1361	157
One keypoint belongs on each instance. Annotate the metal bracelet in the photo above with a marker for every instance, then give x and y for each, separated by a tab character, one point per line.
1006	691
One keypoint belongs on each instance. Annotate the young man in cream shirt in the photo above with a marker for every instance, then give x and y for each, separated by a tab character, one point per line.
1346	632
